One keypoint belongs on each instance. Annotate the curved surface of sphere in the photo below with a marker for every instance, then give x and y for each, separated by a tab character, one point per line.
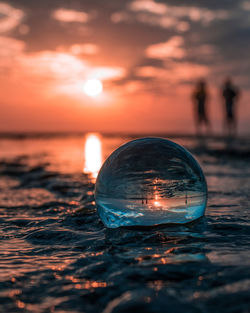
150	181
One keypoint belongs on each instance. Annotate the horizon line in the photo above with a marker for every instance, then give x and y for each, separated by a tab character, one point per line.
44	134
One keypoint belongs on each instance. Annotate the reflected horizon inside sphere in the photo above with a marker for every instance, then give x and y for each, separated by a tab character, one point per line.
150	181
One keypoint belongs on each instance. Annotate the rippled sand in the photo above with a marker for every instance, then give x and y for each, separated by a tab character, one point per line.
56	255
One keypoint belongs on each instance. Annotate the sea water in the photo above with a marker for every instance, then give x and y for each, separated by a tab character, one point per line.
150	181
55	255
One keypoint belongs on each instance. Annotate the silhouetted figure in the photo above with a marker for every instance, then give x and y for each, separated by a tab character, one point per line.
230	95
200	101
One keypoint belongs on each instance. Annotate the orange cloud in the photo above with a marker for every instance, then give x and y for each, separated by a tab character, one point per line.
246	5
175	73
170	15
148	5
87	48
10	46
167	21
56	73
65	15
150	71
10	17
53	71
106	73
10	49
172	48
76	49
161	20
51	65
133	86
119	17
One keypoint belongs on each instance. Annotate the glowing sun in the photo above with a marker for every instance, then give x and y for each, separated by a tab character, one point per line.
92	87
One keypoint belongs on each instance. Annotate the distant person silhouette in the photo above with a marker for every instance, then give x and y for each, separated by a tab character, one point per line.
200	102
230	95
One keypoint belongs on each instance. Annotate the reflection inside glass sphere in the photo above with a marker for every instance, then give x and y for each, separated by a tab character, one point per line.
150	181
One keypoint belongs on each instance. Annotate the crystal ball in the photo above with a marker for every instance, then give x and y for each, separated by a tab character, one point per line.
150	181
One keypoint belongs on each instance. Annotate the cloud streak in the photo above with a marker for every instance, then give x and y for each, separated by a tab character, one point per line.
175	72
193	13
69	16
172	48
80	49
10	17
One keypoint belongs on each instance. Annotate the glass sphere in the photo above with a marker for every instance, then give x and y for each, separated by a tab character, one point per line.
150	181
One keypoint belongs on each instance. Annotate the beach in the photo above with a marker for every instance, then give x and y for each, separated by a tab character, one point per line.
57	256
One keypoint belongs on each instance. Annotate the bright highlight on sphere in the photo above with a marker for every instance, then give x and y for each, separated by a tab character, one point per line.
150	181
93	87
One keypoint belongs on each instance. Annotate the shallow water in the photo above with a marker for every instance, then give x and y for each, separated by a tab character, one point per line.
56	255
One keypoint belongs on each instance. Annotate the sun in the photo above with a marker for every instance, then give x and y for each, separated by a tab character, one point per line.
92	87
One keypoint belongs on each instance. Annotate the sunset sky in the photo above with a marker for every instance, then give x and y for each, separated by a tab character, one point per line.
146	53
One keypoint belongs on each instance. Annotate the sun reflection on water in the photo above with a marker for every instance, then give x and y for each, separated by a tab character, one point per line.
92	155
